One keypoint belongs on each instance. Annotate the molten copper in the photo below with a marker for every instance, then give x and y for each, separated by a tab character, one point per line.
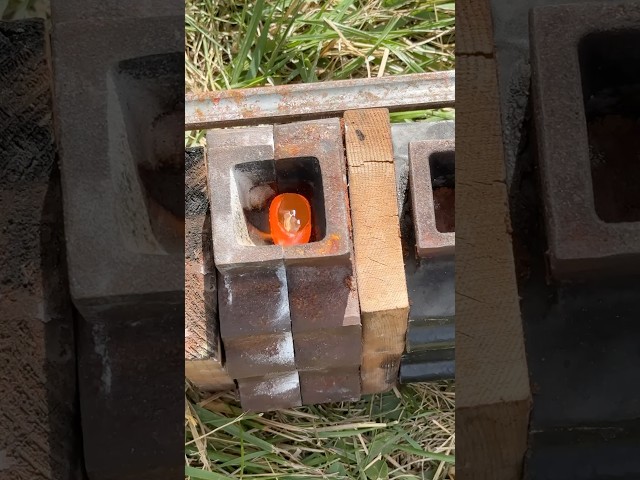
290	219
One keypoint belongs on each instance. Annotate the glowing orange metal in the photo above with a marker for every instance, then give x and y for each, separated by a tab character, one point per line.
290	219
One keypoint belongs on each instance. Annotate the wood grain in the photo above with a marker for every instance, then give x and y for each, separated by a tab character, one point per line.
383	296
202	344
474	30
208	375
493	395
39	428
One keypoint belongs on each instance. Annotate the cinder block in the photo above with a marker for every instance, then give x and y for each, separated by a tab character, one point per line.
253	299
331	385
259	355
432	177
272	392
329	348
322	297
585	63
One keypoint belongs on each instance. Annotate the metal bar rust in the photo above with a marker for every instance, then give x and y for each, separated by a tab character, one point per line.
253	106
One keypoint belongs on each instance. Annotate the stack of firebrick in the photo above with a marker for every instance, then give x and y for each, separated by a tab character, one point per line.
289	318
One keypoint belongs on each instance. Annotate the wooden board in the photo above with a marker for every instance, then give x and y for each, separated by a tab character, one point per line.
474	30
203	365
379	264
39	428
493	396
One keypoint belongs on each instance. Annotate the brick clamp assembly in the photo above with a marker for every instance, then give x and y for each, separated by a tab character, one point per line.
368	299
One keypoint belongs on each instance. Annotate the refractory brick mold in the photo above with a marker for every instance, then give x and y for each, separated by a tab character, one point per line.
145	108
117	111
279	304
432	181
586	93
255	323
271	392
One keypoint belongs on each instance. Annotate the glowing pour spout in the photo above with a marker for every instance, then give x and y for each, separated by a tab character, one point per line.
290	219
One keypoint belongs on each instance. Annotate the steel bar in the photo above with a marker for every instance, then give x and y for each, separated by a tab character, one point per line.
428	366
430	334
253	106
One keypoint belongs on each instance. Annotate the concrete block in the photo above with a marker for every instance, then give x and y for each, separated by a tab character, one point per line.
585	67
272	392
331	385
328	348
259	355
432	177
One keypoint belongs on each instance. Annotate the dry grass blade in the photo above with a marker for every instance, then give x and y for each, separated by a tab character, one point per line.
402	434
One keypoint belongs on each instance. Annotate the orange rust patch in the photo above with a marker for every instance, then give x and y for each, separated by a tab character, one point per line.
331	244
290	150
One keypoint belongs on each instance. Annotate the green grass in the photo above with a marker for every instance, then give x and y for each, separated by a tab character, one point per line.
277	42
407	433
19	9
235	45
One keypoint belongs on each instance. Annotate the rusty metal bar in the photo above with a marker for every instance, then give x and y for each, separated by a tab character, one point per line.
253	106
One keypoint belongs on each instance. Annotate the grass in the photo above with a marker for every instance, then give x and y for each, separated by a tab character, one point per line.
404	434
19	9
235	45
230	45
407	433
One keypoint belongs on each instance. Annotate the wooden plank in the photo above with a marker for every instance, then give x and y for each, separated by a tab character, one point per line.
39	434
493	396
379	264
208	375
203	365
474	31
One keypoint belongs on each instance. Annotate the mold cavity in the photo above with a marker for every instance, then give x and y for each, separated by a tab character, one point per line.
610	70
146	116
442	168
257	183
